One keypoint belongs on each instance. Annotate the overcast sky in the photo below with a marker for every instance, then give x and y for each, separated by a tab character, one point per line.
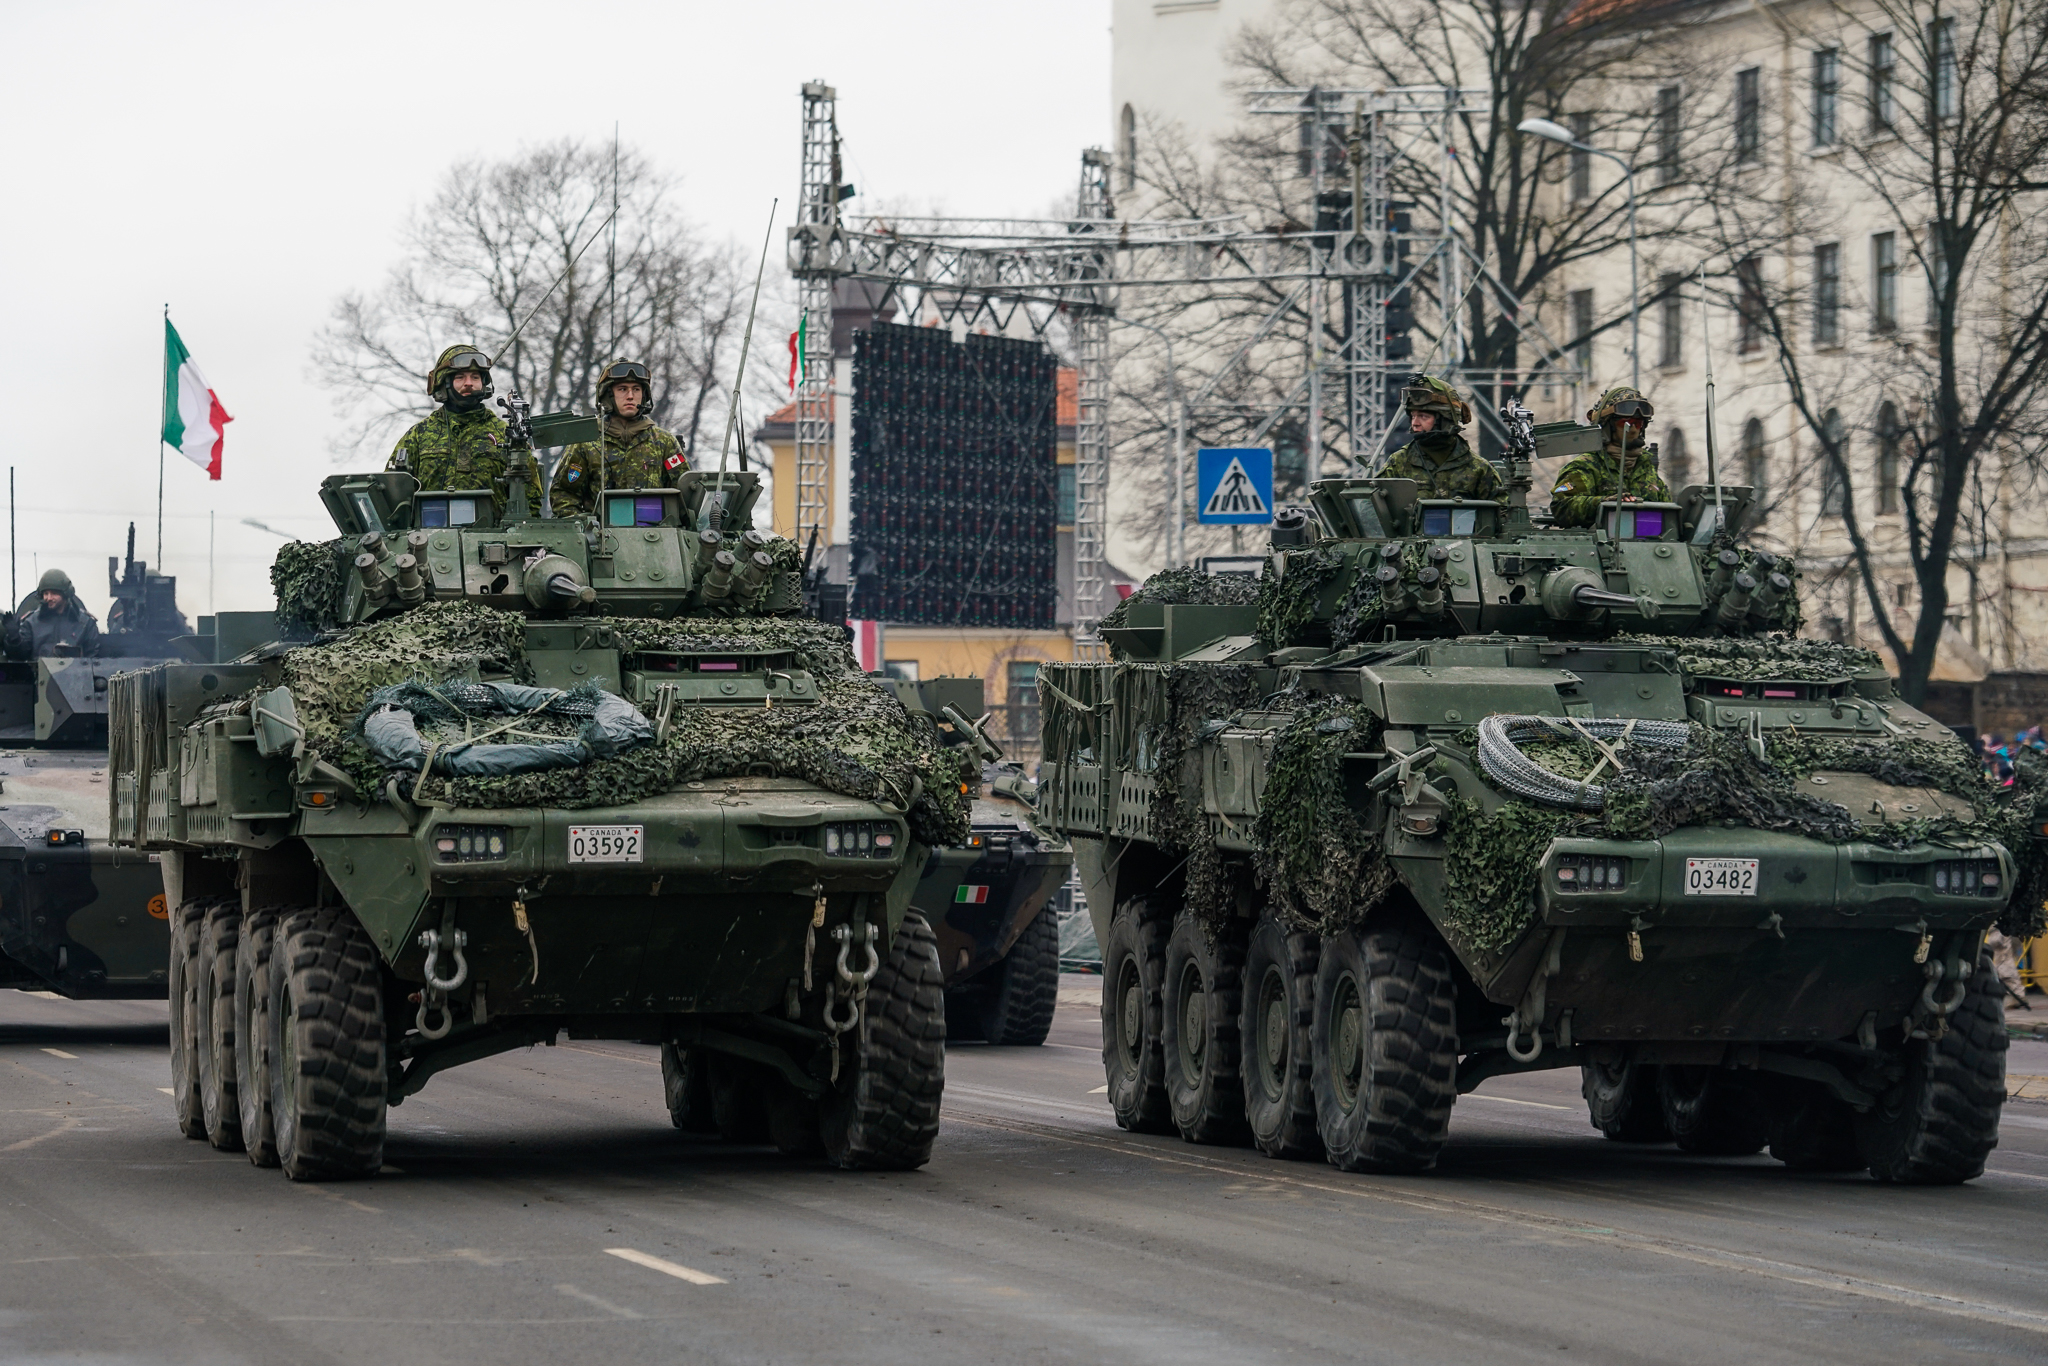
248	163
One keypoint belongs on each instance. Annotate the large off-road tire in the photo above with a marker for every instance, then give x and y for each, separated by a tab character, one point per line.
1133	977
686	1089
183	982
1939	1124
1710	1110
213	991
1276	1027
252	1035
1016	1005
1198	1032
884	1111
1622	1099
1811	1130
1385	1050
327	1046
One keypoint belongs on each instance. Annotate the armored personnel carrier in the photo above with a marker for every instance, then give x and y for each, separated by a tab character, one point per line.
78	916
1460	794
501	778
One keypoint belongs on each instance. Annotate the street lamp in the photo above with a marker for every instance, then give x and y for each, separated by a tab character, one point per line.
1176	547
1555	132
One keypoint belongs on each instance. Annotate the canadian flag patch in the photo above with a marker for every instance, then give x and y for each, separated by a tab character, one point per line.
674	462
970	895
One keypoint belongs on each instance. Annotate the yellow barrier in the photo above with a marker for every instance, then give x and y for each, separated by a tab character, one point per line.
2034	963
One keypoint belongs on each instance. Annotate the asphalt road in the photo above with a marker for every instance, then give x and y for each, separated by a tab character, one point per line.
539	1208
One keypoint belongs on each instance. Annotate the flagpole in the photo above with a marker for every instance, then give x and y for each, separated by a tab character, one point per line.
13	586
160	453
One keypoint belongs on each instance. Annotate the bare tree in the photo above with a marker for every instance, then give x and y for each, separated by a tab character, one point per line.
482	254
1936	127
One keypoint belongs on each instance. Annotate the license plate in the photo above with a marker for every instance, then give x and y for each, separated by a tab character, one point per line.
1720	877
607	843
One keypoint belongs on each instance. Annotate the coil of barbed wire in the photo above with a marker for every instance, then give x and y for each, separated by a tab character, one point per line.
1500	738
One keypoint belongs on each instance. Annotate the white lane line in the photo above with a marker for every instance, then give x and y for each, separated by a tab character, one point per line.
66	1127
60	1053
167	1090
616	1310
654	1263
1100	1091
1510	1100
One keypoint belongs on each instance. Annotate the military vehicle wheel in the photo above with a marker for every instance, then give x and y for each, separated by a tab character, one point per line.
327	1082
1622	1099
1812	1131
1385	1050
686	1087
1017	1004
884	1111
1198	1032
213	991
1275	1028
1708	1111
1133	973
183	980
1939	1124
252	1029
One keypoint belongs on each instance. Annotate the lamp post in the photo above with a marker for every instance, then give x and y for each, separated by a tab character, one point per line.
1176	549
1554	132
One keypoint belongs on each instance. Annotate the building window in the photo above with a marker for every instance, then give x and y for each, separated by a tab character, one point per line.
1884	281
1671	317
1834	486
1674	458
1888	458
1884	70
1754	468
1127	148
1827	89
1066	483
1667	134
1021	697
1582	328
1582	160
1749	113
1827	294
1749	304
1941	46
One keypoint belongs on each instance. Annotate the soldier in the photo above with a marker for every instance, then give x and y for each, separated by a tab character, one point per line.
637	454
460	445
1624	468
52	621
1439	460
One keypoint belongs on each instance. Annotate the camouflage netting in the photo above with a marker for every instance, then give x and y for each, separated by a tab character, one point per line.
857	740
1288	603
1771	656
1186	586
307	577
1324	867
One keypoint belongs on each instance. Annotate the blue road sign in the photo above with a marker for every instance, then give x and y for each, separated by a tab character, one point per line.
1234	485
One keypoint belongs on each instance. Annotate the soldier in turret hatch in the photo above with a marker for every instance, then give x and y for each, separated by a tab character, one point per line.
51	622
460	445
1438	458
636	453
1625	468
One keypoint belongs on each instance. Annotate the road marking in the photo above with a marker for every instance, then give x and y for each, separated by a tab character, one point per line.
1524	1220
1100	1091
1510	1100
167	1090
653	1263
60	1053
2018	1087
617	1310
43	995
66	1127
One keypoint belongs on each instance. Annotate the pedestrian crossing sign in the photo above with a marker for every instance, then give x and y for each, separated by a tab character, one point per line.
1234	485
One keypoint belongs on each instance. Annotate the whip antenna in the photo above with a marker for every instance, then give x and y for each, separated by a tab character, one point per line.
1713	448
553	287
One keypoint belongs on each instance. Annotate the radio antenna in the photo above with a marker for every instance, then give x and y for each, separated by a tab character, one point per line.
732	417
553	287
1713	447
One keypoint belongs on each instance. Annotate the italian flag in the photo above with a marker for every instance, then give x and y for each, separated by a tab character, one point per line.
194	421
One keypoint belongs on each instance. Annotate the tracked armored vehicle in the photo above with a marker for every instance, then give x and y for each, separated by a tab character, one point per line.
1462	794
505	778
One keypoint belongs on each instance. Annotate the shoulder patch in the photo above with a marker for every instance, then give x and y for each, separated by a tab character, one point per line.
1561	488
674	461
573	475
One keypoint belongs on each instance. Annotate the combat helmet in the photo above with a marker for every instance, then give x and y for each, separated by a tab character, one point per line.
462	356
1623	400
56	581
621	371
1428	394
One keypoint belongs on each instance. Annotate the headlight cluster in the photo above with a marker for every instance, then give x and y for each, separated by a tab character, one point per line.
860	839
1584	874
1967	877
471	843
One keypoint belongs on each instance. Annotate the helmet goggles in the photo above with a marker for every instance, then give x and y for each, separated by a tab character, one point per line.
625	370
1633	407
466	360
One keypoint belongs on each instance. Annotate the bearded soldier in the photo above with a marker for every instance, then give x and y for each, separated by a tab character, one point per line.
1624	468
1438	458
636	453
460	445
52	621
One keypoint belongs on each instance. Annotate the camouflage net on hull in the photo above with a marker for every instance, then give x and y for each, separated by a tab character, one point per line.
857	740
1186	586
1323	865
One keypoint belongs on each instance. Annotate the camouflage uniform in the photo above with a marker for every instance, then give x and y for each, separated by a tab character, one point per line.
460	445
1591	479
1441	462
637	455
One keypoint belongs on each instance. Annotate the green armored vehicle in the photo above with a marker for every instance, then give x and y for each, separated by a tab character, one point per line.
503	778
1460	794
78	916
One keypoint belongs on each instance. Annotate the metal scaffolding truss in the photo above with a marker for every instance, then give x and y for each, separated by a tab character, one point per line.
1060	280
